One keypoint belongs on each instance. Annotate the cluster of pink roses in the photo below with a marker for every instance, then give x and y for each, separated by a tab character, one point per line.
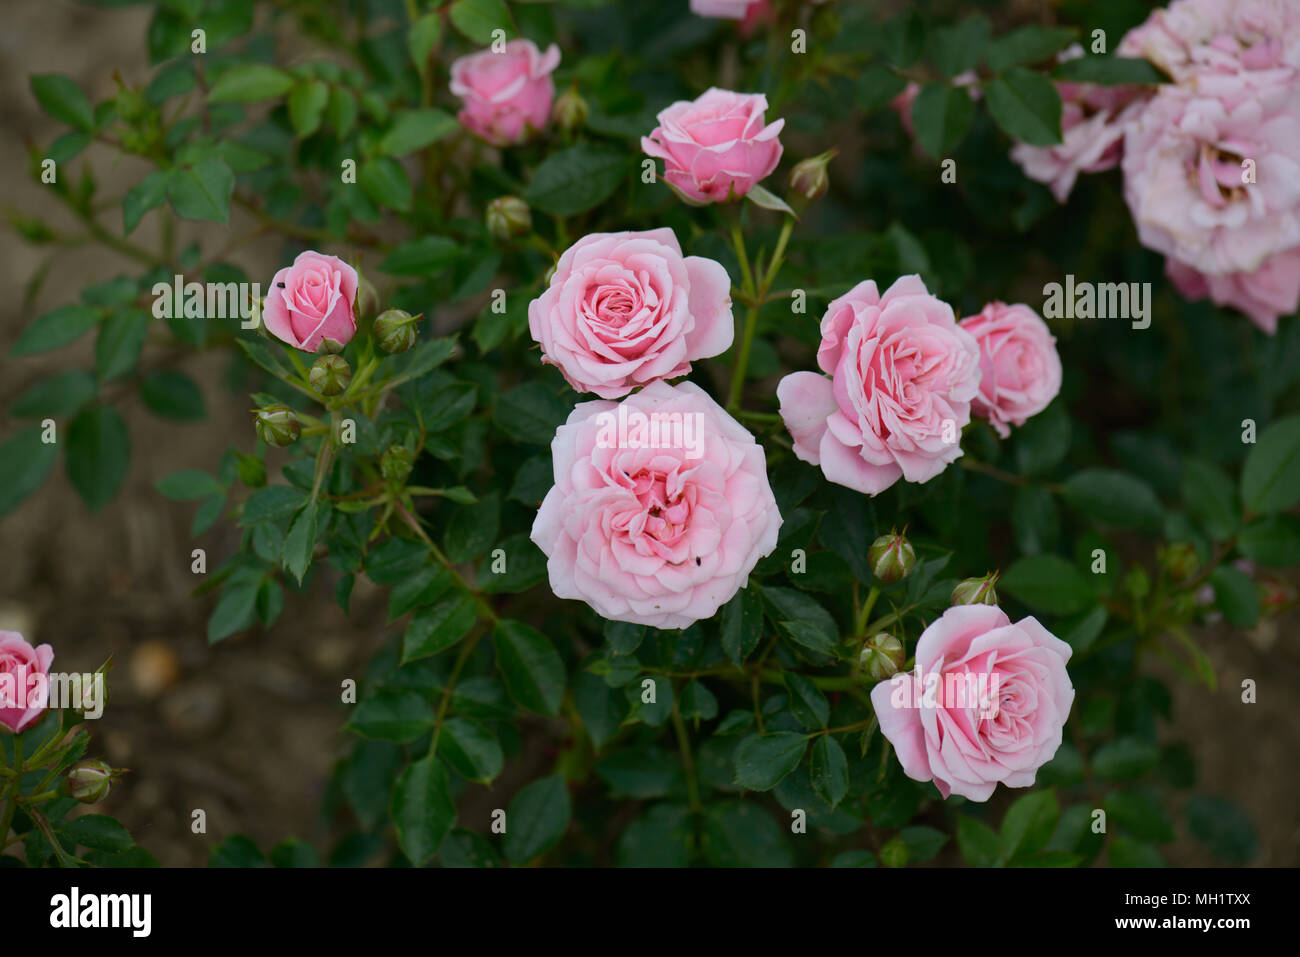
1211	161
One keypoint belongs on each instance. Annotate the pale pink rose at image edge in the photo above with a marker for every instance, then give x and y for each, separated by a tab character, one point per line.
312	300
1271	291
1020	369
20	660
970	750
507	94
624	309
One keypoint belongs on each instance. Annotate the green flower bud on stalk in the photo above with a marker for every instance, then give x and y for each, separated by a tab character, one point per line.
90	781
881	656
891	557
570	111
1180	560
330	375
895	852
395	330
509	217
367	300
810	178
1137	583
277	425
976	591
396	463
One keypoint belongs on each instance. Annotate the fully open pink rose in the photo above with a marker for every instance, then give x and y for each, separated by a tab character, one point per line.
660	510
985	705
24	680
1270	291
717	147
903	377
312	300
1192	37
1020	371
508	94
625	309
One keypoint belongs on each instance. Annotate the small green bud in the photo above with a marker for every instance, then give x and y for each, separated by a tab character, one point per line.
570	111
976	591
810	178
277	425
396	463
395	330
367	300
882	655
891	557
1137	583
509	217
1180	560
895	852
90	781
330	375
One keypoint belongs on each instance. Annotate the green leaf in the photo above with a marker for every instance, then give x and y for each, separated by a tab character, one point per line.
471	749
61	394
275	503
959	47
1126	852
393	560
1270	479
536	820
235	608
829	770
477	19
237	851
413	130
54	329
438	628
1029	823
249	82
658	838
1048	583
941	115
1236	595
425	32
979	844
742	624
1211	499
62	99
385	182
1274	540
877	85
762	760
189	485
807	703
1223	827
697	701
307	105
149	194
923	843
1042	442
601	708
342	111
1026	105
1140	815
1109	71
300	540
203	190
1124	758
424	587
1032	44
121	337
531	413
1035	519
1115	498
576	179
531	668
473	528
97	454
294	853
742	834
765	198
624	637
392	714
422	809
172	395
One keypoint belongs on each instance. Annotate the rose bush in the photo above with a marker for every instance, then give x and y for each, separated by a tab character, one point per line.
838	441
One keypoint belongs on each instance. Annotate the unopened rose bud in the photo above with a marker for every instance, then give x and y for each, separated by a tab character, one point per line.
976	591
395	464
895	852
570	111
881	656
90	781
810	178
509	217
395	330
130	105
892	557
330	375
277	425
1137	583
367	300
1180	560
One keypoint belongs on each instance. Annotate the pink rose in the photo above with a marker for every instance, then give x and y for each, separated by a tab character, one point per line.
660	509
1192	37
625	309
985	704
312	300
715	148
1020	371
507	94
1270	291
903	377
748	10
24	680
1187	180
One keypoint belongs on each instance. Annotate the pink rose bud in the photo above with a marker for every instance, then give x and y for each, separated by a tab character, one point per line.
90	781
716	148
277	425
902	377
570	111
1020	371
882	655
24	681
508	217
891	557
395	330
311	301
329	375
1001	689
625	309
809	178
976	591
507	96
660	509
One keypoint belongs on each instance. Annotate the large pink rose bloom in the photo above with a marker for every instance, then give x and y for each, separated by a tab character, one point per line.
506	95
657	536
1270	291
312	300
23	696
1020	371
717	147
993	711
1191	37
903	377
625	309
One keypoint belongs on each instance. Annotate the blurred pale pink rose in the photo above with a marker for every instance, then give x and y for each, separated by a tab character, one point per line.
988	707
1270	291
312	300
625	309
506	95
1020	370
903	375
24	680
1192	37
657	536
717	147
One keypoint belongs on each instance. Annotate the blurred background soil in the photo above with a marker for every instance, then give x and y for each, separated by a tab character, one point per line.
249	729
